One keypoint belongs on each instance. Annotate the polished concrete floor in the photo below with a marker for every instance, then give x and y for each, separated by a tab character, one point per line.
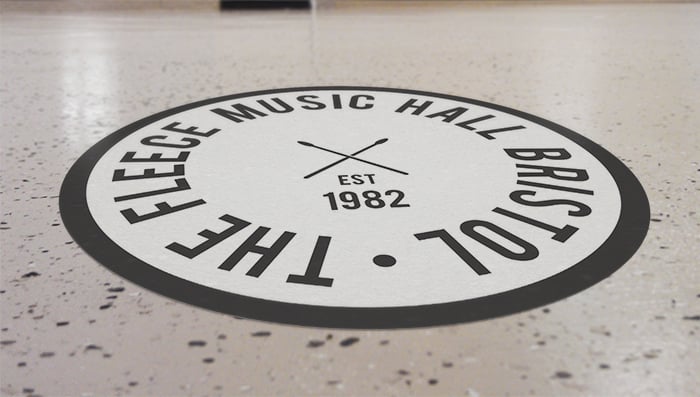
626	76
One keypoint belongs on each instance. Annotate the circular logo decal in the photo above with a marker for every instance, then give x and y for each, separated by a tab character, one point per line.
354	207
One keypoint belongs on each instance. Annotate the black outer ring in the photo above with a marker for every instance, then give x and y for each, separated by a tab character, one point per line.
615	251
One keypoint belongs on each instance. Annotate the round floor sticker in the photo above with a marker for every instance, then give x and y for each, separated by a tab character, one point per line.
354	207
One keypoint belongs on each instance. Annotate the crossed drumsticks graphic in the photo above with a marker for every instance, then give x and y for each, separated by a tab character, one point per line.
349	156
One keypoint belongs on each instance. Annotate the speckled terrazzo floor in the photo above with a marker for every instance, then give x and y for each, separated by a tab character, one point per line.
625	75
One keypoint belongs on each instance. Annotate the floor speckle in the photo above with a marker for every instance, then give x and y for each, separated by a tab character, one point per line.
315	343
349	341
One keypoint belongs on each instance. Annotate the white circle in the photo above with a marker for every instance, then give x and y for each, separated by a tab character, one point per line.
254	170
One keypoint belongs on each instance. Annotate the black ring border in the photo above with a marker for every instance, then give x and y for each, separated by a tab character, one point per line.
624	241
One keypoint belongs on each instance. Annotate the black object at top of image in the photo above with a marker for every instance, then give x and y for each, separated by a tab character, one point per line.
226	5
